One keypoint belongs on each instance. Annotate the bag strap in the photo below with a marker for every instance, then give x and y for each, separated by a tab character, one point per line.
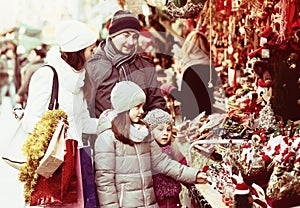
54	94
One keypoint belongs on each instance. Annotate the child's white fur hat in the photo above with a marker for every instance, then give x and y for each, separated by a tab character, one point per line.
156	117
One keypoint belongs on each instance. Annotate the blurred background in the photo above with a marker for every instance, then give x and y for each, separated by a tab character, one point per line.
30	22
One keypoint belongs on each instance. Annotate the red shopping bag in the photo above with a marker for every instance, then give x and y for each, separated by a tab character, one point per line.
80	188
61	188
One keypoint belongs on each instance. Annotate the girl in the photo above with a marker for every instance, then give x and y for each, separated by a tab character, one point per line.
125	154
166	189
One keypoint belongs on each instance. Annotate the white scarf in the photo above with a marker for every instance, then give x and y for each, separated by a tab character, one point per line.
138	133
71	79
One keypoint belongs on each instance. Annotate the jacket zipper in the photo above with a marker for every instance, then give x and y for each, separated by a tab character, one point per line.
122	195
142	176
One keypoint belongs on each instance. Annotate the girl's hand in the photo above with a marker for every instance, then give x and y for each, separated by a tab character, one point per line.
201	178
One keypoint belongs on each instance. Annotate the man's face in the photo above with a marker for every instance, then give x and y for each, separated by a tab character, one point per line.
126	42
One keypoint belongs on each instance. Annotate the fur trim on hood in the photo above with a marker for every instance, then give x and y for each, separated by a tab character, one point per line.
105	119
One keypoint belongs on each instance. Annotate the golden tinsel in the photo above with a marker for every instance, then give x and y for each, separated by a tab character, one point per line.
35	147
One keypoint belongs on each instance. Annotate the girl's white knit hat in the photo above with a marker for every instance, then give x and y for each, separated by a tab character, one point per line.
126	95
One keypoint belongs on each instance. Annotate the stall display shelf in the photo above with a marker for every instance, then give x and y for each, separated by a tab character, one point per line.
212	196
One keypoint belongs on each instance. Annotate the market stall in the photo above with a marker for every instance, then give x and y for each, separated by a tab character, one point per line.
250	144
268	162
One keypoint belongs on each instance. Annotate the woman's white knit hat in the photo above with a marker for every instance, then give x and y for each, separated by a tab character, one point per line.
72	36
125	95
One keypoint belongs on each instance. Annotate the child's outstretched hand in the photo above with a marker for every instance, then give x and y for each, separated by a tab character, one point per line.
201	178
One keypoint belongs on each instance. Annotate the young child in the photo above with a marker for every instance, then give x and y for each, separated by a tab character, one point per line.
125	155
166	189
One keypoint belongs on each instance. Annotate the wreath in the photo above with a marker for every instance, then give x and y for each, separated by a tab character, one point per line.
184	10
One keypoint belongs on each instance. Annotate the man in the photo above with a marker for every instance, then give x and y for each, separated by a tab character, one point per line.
116	60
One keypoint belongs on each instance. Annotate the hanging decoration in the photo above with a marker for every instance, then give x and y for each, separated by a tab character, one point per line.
204	16
287	13
189	10
266	118
210	84
122	3
255	4
292	61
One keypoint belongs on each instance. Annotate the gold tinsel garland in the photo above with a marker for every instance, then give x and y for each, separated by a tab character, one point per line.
35	147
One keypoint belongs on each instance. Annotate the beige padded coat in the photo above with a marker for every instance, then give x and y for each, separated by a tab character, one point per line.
124	173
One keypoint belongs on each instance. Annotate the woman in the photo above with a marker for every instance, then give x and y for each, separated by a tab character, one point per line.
125	155
76	44
198	77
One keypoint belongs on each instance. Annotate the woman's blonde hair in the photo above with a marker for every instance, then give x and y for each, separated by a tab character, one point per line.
194	42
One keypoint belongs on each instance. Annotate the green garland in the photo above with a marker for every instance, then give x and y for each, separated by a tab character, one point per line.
35	147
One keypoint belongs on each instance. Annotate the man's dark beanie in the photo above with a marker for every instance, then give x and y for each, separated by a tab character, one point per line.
123	21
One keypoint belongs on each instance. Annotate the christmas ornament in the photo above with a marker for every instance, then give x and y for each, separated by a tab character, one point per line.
292	61
284	181
122	3
257	164
241	194
255	4
262	71
266	118
277	180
